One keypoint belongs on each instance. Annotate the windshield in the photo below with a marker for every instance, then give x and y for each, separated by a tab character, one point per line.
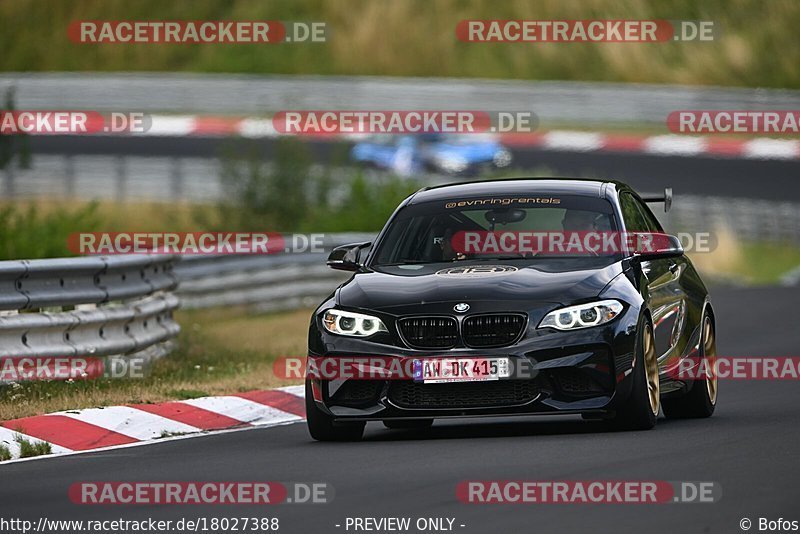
433	232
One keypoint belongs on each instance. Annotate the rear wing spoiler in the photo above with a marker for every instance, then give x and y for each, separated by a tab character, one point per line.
666	198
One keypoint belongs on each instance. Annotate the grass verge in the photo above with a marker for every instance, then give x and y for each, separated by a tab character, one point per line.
756	44
748	263
220	352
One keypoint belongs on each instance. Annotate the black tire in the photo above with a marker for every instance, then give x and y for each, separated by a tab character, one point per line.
322	427
408	423
701	400
638	411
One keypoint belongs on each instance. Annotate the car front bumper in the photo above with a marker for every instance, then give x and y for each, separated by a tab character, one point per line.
585	371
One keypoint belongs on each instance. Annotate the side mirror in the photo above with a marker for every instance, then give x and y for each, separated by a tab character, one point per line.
346	257
650	246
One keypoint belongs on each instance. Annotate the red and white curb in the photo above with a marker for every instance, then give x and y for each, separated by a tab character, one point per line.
116	426
564	140
658	145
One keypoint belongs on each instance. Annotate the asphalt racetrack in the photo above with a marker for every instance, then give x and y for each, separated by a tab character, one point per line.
749	447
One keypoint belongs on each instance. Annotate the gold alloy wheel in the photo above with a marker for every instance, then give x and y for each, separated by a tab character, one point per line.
651	370
709	355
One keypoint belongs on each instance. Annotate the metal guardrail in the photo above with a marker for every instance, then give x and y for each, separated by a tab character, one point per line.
33	284
268	285
121	306
90	307
263	283
583	102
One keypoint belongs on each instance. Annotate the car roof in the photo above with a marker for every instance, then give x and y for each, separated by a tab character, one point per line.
517	186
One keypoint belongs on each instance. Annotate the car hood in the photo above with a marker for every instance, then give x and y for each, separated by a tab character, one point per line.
403	289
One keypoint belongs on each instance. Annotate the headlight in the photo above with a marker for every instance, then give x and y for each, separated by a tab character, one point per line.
345	323
582	316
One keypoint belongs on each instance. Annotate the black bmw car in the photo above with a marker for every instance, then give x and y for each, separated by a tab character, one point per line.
504	331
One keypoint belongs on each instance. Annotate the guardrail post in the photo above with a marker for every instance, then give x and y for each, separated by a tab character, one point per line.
69	175
122	178
9	189
176	178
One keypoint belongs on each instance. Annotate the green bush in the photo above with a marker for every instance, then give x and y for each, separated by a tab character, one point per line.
289	194
368	204
16	144
266	195
27	233
27	449
5	453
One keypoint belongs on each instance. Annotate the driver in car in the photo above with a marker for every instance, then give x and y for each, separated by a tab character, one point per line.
582	221
445	242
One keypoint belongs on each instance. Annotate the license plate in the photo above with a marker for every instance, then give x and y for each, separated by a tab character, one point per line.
438	370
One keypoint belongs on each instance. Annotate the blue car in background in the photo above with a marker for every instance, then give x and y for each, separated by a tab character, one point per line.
448	154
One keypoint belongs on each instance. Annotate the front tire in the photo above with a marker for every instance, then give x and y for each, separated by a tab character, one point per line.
702	397
640	411
322	427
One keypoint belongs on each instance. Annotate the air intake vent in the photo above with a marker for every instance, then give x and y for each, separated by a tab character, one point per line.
429	332
463	394
494	330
